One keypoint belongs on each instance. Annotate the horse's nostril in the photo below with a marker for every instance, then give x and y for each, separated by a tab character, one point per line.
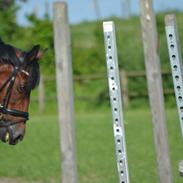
20	137
16	140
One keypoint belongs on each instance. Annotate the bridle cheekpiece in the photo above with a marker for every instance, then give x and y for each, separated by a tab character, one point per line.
4	106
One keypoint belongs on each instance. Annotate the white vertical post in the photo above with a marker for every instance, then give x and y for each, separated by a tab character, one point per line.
65	93
115	98
97	9
155	90
175	62
126	9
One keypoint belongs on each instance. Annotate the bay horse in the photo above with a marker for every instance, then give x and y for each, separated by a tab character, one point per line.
19	74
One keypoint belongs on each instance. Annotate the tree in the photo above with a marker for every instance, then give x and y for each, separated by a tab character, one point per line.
5	4
7	19
8	10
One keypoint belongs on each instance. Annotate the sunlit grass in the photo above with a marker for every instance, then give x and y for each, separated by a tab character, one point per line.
38	156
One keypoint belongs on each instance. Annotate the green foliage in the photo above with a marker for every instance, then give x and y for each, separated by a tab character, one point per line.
41	32
8	22
88	52
87	48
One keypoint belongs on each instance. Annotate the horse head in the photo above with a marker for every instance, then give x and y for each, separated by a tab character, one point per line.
19	74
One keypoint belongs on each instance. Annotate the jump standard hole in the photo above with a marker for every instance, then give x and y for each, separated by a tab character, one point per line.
177	77
173	56
171	36
178	87
172	46
175	66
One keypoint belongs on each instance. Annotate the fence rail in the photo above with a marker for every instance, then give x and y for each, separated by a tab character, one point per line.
125	76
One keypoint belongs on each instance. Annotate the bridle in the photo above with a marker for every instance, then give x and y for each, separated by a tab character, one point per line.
4	106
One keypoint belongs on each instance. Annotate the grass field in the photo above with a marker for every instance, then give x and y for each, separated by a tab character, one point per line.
37	157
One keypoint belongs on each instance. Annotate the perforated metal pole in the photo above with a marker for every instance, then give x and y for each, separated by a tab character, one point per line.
115	98
176	63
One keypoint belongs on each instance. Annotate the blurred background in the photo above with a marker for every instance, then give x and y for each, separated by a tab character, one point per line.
24	23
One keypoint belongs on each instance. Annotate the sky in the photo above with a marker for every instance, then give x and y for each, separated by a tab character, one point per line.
83	10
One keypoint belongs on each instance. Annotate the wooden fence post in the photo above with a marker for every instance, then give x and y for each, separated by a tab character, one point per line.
65	92
154	81
124	88
41	94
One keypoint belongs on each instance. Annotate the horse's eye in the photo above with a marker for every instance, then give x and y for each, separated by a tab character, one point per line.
21	88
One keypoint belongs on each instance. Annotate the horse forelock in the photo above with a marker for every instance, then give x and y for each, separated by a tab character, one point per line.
8	55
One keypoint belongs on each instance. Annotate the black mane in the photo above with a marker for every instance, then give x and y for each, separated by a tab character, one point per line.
34	77
8	56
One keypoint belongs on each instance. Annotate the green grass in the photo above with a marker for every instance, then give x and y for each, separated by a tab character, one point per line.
38	157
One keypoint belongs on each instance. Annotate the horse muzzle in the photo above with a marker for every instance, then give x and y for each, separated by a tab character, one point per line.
11	135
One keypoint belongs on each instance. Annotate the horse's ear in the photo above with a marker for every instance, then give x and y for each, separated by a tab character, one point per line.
41	53
18	52
33	54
